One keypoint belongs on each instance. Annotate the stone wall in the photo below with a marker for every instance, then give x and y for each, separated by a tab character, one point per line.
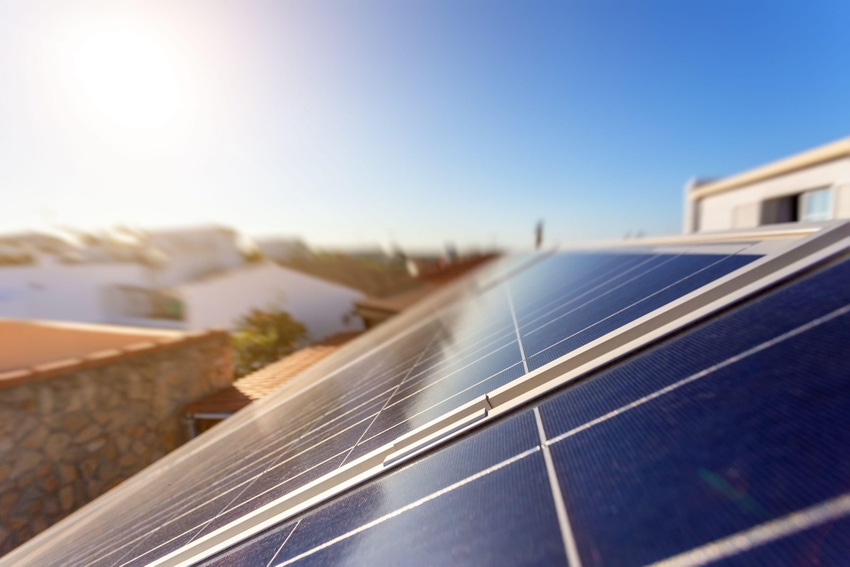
72	430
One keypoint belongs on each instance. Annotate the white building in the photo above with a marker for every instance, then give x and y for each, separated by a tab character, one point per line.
191	279
51	289
807	187
190	253
325	308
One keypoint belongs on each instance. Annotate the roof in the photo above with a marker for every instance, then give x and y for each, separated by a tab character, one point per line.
263	382
247	270
809	158
38	350
184	230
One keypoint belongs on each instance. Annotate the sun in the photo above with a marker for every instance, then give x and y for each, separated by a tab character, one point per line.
129	77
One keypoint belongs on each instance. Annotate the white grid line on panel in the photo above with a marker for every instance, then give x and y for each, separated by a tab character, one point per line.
593	298
641	300
204	524
558	299
429	408
309	431
649	256
453	372
516	327
319	409
570	547
209	489
166	516
703	373
762	534
249	481
460	355
411	506
279	549
394	390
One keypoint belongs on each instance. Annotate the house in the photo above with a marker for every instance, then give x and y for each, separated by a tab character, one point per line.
46	287
218	301
325	308
84	407
186	279
807	187
191	253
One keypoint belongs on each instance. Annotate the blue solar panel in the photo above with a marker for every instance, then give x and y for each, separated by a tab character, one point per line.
618	301
746	443
469	350
452	488
825	544
518	316
729	428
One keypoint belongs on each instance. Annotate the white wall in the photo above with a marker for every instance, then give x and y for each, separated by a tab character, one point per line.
194	253
221	300
740	208
63	292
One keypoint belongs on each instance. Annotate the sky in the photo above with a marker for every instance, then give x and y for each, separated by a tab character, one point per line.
415	123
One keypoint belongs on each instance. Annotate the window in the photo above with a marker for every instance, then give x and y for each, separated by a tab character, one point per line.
816	205
780	209
809	206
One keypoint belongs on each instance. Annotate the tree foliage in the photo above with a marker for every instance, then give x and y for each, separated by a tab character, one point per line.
264	336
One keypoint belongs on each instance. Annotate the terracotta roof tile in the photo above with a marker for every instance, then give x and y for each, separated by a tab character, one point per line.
263	382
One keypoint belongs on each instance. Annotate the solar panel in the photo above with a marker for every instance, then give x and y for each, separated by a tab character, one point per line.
469	357
655	459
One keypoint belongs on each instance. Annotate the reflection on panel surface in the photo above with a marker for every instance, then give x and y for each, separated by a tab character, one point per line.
435	512
727	429
513	316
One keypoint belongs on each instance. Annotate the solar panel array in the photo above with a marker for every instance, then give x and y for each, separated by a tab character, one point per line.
617	469
727	430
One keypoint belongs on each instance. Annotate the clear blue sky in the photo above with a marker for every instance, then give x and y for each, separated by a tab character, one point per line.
420	122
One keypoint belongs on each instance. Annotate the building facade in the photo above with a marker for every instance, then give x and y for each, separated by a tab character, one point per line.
808	187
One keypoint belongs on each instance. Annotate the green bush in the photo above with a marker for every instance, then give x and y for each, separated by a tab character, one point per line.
262	337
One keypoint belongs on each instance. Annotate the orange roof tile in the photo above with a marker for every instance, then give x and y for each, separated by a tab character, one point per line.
263	382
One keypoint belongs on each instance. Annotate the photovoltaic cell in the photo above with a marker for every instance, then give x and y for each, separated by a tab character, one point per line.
442	488
755	440
730	428
548	305
827	543
584	317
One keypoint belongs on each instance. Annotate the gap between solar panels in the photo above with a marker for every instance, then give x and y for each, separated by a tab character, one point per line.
781	260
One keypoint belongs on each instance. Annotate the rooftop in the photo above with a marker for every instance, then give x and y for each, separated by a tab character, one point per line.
35	350
261	383
822	154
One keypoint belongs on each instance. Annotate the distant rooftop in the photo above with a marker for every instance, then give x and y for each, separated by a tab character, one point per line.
263	382
34	350
828	152
375	310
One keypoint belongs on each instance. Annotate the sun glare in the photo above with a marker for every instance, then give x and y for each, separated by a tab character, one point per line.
129	77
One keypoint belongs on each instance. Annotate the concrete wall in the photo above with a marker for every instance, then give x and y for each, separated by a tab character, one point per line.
320	305
740	207
70	433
